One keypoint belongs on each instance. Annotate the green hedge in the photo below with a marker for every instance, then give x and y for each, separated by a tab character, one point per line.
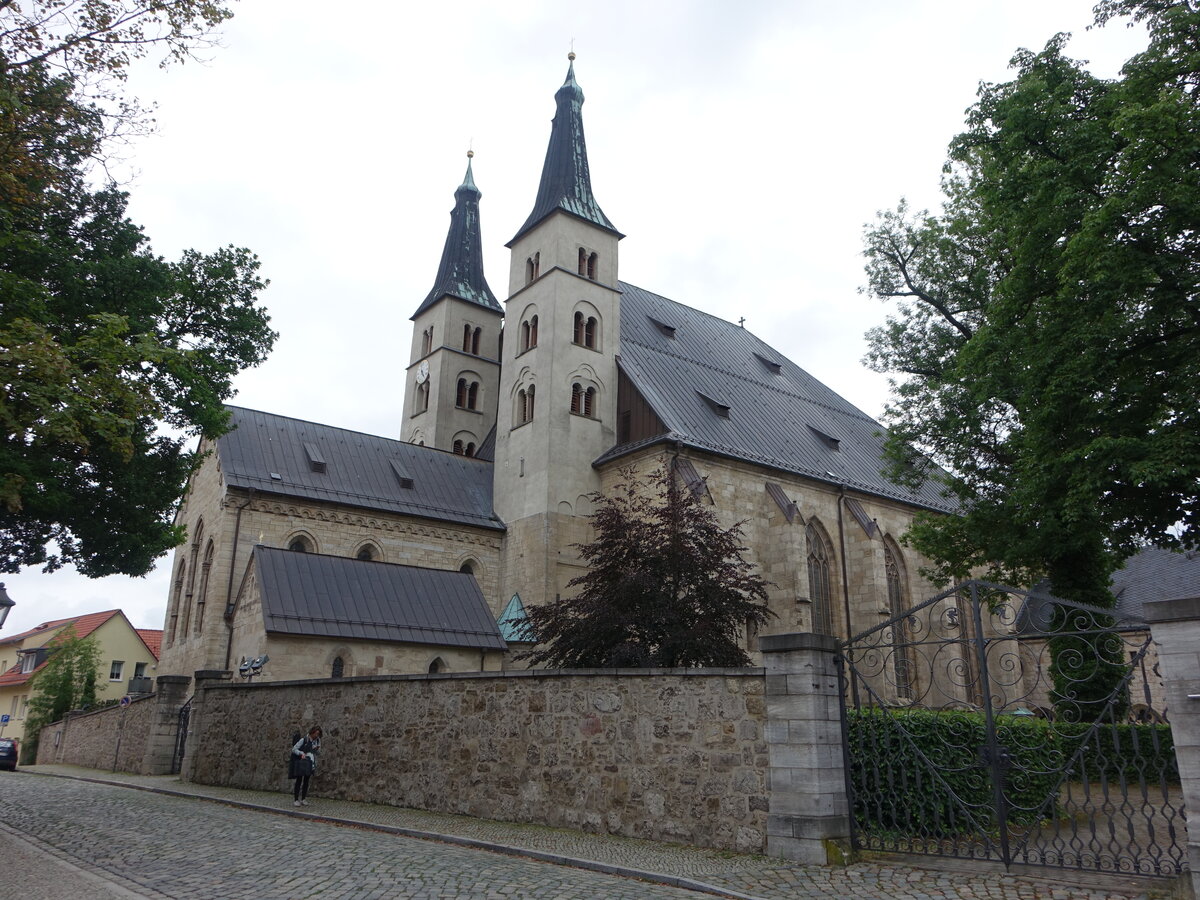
908	766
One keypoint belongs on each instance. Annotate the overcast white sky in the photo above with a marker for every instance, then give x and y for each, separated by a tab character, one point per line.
740	147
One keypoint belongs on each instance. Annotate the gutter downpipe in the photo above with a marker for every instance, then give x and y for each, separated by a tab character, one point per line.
845	588
237	530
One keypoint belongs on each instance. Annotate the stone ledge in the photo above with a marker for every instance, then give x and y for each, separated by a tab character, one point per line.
781	643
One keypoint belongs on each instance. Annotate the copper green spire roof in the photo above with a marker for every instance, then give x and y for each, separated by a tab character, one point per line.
461	271
566	182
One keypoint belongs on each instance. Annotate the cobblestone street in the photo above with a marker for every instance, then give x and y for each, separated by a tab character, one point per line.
152	844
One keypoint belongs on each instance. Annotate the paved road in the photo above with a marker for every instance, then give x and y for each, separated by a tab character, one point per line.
170	839
159	846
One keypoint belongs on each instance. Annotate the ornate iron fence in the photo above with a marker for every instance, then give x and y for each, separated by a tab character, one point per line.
994	723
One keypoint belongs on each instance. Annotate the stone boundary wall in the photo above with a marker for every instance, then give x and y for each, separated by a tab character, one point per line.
112	738
670	755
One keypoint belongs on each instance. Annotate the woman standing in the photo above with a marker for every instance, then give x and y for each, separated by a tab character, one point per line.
304	764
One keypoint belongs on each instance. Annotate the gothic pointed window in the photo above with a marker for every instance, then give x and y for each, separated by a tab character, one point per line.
820	589
338	669
902	663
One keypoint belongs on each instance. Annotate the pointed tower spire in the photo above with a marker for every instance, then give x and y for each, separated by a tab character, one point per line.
460	273
566	181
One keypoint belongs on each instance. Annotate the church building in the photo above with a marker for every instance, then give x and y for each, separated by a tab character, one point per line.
335	553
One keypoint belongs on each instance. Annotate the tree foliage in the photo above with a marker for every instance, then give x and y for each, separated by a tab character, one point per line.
102	342
666	586
67	681
1047	333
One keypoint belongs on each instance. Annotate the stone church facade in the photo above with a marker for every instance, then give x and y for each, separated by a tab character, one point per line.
513	415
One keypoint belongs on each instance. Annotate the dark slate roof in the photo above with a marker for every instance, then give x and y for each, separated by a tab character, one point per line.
1149	575
1154	574
312	595
274	454
566	180
719	388
460	273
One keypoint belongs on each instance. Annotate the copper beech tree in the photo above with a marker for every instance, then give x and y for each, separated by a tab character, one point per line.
666	586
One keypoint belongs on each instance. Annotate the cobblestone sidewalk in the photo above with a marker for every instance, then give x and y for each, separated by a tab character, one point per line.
712	872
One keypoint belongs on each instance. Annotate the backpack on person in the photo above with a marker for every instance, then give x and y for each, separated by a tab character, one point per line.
292	757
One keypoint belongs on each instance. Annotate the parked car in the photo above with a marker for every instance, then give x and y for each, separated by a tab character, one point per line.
8	754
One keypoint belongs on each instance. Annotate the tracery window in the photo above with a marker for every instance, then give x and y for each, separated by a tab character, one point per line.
820	586
902	663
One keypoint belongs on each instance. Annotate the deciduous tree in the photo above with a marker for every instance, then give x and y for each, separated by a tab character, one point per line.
666	586
1047	338
65	682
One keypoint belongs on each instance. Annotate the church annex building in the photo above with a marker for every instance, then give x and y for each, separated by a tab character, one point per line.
337	553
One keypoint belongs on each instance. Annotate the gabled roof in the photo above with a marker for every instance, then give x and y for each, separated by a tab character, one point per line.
312	595
83	626
152	638
280	455
718	388
566	183
460	273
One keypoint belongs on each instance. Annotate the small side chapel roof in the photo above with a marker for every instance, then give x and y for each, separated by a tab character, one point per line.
313	595
775	415
273	454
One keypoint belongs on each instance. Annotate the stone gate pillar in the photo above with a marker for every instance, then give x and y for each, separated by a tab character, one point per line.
809	815
1175	626
204	677
164	727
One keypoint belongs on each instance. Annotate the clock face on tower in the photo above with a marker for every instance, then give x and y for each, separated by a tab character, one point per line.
423	371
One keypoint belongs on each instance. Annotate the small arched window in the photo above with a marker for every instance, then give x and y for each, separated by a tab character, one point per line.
339	668
524	336
300	544
576	398
591	266
458	448
589	402
427	340
533	267
475	337
529	404
577	337
366	553
466	339
473	395
525	405
533	332
460	397
470	450
438	665
585	330
583	261
423	397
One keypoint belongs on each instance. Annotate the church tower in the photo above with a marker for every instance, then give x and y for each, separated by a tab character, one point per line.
558	390
454	370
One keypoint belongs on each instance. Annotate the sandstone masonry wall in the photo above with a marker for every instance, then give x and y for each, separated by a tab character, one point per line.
111	738
673	755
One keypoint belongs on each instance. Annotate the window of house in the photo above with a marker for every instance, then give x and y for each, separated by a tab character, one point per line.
116	670
139	670
28	662
24	706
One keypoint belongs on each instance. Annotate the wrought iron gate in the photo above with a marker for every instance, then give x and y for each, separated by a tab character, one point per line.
993	723
185	713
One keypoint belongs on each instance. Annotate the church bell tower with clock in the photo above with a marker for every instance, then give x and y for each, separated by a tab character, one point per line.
454	367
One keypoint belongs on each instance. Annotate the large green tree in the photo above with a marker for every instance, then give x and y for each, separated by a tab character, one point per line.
666	586
102	342
1047	332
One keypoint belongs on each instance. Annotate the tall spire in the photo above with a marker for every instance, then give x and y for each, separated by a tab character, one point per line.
460	273
566	182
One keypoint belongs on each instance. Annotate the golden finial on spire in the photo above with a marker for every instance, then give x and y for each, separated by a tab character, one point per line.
470	154
571	55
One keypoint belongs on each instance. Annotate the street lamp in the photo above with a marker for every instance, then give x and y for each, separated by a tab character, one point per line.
6	603
251	667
